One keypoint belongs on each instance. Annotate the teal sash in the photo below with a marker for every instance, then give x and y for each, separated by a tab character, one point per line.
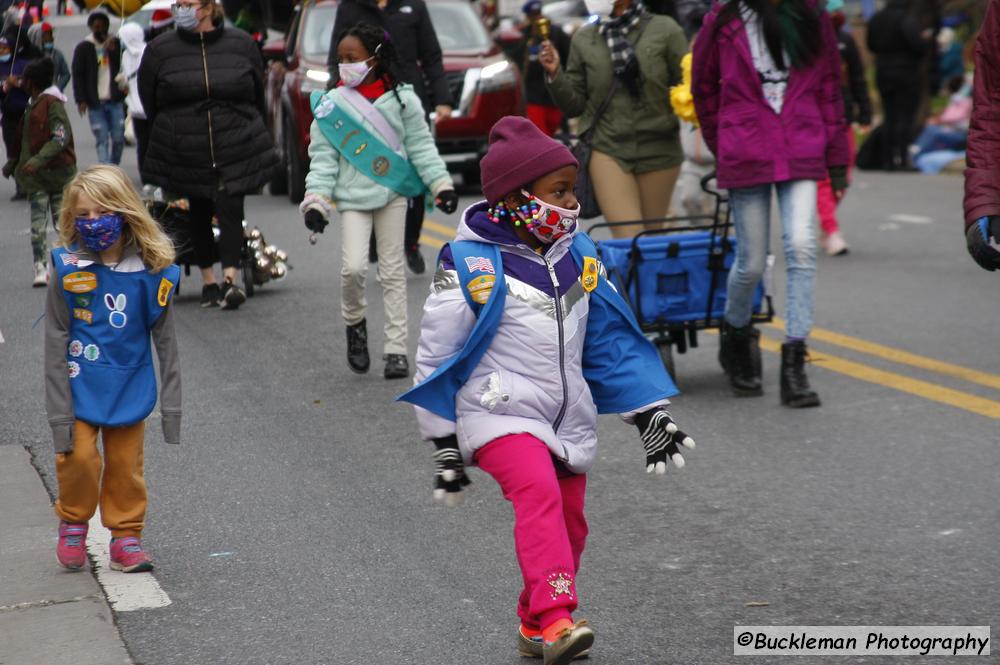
363	149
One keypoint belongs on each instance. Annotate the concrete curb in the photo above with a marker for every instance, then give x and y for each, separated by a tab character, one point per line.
47	614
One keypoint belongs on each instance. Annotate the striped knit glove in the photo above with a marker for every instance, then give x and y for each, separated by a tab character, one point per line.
660	438
449	472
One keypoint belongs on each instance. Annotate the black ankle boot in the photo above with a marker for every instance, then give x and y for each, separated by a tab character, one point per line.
357	347
795	390
736	355
396	366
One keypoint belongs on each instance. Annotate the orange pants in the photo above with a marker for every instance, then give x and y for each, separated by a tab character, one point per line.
120	490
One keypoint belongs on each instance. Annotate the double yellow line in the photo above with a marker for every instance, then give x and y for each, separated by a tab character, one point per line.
925	389
436	234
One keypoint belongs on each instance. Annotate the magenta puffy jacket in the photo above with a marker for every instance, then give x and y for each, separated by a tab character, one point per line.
753	144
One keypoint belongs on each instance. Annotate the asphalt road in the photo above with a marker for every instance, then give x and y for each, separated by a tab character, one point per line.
295	522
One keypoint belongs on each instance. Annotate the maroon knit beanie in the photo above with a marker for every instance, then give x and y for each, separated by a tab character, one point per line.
519	154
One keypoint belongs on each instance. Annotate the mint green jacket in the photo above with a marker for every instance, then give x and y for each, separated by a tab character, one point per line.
333	177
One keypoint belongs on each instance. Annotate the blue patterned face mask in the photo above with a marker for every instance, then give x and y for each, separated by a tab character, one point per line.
102	232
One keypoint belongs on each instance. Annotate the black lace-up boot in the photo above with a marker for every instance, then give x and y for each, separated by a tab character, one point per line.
736	355
396	366
357	347
795	390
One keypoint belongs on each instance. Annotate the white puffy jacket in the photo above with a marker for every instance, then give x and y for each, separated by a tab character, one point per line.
530	380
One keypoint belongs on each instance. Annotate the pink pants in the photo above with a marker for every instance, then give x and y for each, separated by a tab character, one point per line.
826	202
550	529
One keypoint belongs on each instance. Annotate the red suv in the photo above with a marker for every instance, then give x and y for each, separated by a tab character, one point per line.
485	86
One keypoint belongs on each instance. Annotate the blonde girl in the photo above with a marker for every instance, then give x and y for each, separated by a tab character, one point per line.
109	293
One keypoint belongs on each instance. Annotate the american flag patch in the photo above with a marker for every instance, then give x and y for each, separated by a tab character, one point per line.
70	259
479	263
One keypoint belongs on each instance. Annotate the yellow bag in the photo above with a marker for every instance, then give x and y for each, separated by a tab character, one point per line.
681	98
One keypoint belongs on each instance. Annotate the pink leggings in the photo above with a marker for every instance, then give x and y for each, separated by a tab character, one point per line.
550	529
826	202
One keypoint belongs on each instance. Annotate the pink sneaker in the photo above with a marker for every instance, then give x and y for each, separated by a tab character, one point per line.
72	548
127	556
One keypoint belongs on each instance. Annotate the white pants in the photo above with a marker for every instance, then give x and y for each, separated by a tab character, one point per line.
389	223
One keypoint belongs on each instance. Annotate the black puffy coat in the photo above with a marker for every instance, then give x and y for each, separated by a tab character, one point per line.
409	25
894	37
203	94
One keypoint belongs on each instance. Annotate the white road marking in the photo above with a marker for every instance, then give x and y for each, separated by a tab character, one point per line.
126	591
911	219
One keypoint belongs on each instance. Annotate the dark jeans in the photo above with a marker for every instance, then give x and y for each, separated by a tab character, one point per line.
141	128
900	95
8	123
229	210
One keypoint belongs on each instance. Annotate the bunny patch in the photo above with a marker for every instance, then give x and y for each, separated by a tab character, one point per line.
116	306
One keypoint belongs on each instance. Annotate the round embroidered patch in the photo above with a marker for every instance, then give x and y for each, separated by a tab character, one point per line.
91	352
74	369
75	348
324	108
380	166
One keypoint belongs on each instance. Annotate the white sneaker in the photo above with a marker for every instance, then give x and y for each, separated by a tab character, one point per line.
41	275
835	245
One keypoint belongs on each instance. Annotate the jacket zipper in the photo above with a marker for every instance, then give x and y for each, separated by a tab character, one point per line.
208	93
562	346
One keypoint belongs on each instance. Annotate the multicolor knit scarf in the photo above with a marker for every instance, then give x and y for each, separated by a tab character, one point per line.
615	31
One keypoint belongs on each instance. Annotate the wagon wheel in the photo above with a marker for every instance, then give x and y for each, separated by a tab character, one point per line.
248	285
755	352
667	356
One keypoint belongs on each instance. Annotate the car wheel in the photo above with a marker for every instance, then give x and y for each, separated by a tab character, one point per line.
295	170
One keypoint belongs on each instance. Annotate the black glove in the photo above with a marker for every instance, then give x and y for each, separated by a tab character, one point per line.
660	437
449	471
838	178
315	221
977	238
447	201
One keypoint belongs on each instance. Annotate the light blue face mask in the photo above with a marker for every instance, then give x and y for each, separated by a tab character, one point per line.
186	17
5	57
834	5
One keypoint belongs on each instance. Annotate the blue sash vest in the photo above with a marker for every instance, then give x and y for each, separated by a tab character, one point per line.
109	354
621	367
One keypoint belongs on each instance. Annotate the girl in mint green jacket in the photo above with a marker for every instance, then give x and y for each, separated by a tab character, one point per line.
370	149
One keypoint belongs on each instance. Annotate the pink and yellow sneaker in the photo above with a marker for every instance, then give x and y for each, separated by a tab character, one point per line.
128	556
72	548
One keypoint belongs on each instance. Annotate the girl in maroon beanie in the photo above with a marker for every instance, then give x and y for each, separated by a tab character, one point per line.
523	342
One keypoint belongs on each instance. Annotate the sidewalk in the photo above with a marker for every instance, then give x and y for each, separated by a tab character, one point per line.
48	615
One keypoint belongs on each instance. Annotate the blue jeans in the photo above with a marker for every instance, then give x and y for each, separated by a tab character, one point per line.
752	219
107	121
938	137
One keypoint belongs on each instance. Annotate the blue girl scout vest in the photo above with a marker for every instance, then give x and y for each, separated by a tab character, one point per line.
109	357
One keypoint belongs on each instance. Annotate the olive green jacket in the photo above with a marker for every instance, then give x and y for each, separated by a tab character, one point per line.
641	134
